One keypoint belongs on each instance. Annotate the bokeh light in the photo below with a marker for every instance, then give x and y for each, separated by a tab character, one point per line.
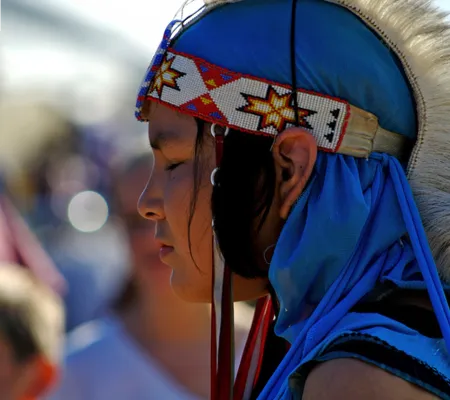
87	211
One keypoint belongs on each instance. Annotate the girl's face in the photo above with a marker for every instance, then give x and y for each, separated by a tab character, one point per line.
167	200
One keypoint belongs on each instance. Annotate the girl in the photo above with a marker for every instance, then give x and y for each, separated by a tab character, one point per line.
314	119
151	344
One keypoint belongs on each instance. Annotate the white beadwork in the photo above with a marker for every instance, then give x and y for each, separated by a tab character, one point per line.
246	103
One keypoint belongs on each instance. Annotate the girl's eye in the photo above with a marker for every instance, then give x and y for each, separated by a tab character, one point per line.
171	167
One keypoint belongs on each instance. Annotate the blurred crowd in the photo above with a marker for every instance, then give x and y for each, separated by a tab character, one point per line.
86	308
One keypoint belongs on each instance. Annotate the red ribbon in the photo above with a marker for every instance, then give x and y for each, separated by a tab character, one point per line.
222	387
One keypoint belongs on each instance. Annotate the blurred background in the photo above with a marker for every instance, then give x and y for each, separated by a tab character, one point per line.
69	72
71	169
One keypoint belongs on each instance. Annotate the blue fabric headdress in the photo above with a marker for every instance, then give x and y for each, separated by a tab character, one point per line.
357	225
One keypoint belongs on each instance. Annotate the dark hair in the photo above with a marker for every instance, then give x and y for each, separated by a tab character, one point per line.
126	298
17	331
242	195
198	175
241	198
28	308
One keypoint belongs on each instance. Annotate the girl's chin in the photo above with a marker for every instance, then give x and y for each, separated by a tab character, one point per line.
190	291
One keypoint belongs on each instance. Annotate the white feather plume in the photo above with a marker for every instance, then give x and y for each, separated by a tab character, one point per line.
420	35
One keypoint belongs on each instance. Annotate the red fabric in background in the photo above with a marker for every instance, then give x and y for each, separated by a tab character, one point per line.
20	246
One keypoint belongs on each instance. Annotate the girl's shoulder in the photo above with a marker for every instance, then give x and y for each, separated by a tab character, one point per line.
347	378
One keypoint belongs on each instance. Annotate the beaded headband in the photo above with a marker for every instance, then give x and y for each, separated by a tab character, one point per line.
196	87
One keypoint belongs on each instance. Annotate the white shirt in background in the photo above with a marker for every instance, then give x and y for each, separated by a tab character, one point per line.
104	363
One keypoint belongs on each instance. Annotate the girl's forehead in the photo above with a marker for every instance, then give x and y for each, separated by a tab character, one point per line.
155	111
168	127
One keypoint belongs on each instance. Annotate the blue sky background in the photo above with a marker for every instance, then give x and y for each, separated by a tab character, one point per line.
444	4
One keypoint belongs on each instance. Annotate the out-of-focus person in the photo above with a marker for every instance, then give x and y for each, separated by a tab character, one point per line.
51	168
31	334
152	345
19	245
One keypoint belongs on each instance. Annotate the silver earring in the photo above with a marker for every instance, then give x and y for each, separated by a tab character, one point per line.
265	253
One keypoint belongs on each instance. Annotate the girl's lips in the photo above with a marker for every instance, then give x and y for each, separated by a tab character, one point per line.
164	251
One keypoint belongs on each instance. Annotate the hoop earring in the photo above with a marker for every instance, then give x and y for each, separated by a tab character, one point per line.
265	253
